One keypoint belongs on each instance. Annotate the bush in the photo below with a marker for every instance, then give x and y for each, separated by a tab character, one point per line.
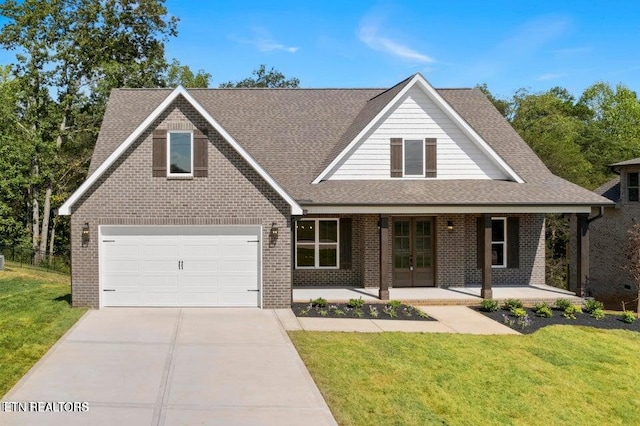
597	313
544	312
319	302
628	317
489	305
395	304
571	311
539	306
511	304
356	303
562	304
519	312
591	305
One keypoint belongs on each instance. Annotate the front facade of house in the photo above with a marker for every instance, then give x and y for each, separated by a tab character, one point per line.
231	197
609	281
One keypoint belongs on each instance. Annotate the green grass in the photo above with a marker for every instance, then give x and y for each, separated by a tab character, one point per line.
34	313
558	375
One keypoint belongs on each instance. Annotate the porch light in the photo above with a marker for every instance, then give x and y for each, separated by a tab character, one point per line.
85	234
274	230
449	225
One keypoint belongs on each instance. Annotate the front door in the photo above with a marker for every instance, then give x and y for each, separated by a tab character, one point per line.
413	254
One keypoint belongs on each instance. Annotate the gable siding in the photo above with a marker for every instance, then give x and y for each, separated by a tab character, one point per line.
417	117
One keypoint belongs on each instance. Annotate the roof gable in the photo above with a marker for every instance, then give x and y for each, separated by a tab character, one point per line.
382	111
65	209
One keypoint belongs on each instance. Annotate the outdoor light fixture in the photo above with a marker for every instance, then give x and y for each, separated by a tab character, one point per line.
450	225
85	234
274	230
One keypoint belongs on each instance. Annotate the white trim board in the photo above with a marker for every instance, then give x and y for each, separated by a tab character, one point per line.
65	209
333	209
419	80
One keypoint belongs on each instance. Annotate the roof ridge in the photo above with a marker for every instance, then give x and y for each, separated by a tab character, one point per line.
393	87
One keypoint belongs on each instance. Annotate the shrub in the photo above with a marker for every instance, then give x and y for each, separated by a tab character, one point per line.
597	313
571	311
628	317
356	303
320	302
373	311
323	312
511	304
562	304
390	311
544	312
395	304
489	305
509	321
591	305
421	313
358	313
524	321
519	312
539	306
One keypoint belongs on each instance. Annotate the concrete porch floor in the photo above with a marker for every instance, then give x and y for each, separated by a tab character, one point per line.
468	296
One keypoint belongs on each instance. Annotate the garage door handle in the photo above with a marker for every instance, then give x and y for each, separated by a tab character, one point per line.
253	290
108	289
253	241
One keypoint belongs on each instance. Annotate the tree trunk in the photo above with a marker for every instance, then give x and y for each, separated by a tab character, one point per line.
53	236
44	233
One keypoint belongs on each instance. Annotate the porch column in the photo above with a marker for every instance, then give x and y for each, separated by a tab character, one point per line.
582	255
486	292
383	224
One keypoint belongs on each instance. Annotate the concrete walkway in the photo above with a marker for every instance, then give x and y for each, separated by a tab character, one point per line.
167	366
451	319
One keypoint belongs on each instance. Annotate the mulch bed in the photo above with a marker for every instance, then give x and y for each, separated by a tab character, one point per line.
333	310
609	322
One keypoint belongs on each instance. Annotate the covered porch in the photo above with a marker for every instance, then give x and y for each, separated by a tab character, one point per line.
468	295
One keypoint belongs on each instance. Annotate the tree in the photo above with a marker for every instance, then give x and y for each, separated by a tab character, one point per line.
263	78
502	105
70	54
178	74
633	257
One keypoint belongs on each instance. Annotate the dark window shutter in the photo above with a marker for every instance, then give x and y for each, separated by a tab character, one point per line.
160	153
431	162
345	243
480	238
200	153
513	242
396	157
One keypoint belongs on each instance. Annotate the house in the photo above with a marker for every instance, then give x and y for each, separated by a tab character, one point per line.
608	279
232	197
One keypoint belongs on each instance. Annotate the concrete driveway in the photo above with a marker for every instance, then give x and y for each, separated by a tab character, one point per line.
164	366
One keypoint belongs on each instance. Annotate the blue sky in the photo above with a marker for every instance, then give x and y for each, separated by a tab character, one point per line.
351	43
507	44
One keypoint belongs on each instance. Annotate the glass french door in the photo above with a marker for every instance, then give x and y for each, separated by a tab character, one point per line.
413	252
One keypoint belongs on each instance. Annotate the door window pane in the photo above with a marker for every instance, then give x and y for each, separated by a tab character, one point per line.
180	153
413	158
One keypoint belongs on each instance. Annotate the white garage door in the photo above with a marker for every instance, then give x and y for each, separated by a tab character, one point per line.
179	266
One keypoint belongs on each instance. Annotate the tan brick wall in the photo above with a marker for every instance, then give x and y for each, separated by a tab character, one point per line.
232	194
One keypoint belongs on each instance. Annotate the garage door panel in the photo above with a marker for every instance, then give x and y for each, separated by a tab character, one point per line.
180	266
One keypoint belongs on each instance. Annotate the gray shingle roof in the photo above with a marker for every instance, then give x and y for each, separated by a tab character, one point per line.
294	133
632	162
610	190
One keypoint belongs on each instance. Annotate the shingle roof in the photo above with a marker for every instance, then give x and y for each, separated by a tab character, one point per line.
294	133
610	190
632	162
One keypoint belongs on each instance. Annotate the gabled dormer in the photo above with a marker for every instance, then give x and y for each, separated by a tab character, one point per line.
411	132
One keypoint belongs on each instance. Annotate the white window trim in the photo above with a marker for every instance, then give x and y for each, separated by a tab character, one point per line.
317	243
169	174
504	243
424	159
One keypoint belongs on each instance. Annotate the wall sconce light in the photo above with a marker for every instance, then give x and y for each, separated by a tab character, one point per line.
449	225
85	234
274	230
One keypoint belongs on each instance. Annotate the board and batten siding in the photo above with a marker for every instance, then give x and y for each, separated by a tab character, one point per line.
417	117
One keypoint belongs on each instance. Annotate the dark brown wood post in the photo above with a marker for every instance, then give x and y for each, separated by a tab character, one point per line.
486	292
383	224
582	246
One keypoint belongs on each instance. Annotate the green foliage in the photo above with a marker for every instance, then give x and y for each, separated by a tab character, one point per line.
511	304
390	311
591	305
358	313
178	74
544	312
356	303
518	312
263	78
489	305
628	317
421	313
539	306
562	304
373	311
571	311
597	313
320	302
396	304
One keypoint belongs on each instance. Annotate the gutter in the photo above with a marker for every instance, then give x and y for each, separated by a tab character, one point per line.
598	216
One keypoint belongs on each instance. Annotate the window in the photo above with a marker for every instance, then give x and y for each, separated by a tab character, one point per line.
180	154
632	186
413	164
499	242
317	243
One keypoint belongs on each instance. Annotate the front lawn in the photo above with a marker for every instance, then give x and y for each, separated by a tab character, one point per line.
34	313
558	375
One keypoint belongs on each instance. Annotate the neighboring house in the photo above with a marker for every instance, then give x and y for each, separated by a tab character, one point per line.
231	197
608	279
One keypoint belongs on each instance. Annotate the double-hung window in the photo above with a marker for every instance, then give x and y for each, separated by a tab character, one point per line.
413	158
317	243
180	153
499	242
632	187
